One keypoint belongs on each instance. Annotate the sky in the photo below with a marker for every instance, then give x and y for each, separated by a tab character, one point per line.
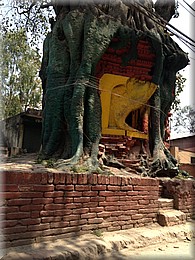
185	23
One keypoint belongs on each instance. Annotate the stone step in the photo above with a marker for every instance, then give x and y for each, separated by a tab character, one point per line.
165	203
171	217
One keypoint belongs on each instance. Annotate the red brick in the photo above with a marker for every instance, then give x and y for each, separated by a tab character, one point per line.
39	227
43	188
90	193
44	178
73	194
65	187
116	213
82	178
9	209
50	219
111	208
98	187
68	179
22	178
92	178
71	217
18	202
113	188
113	180
62	212
31	194
54	194
102	179
9	187
127	188
90	204
60	224
29	221
137	216
56	178
132	193
24	235
82	200
73	205
82	188
63	200
18	215
106	193
45	213
54	206
31	207
9	223
97	199
143	202
80	211
88	215
78	222
9	195
114	198
90	227
96	209
95	220
50	177
114	228
74	178
35	214
128	207
104	214
125	181
42	201
16	229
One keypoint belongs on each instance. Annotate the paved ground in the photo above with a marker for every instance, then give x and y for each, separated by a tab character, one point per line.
153	242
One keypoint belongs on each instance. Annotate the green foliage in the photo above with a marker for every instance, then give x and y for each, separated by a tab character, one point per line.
180	84
20	87
184	120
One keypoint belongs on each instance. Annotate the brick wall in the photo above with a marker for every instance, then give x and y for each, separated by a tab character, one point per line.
41	206
183	193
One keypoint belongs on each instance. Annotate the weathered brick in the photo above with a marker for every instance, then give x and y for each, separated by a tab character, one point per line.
62	212
103	214
45	213
50	176
92	178
89	227
31	194
50	219
29	221
78	222
44	178
95	220
73	194
18	215
9	223
113	198
96	209
80	211
60	224
111	208
82	187
39	227
74	178
16	229
71	217
18	202
68	178
73	205
102	179
54	206
63	200
143	202
114	228
137	216
82	200
88	215
90	193
43	187
97	199
56	178
9	195
9	187
42	201
54	194
113	188
35	214
98	187
65	187
127	188
9	209
90	204
31	207
106	193
82	178
113	180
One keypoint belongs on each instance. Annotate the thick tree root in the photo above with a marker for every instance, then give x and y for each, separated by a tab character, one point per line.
164	164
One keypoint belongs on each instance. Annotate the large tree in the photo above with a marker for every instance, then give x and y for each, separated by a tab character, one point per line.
81	32
20	87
